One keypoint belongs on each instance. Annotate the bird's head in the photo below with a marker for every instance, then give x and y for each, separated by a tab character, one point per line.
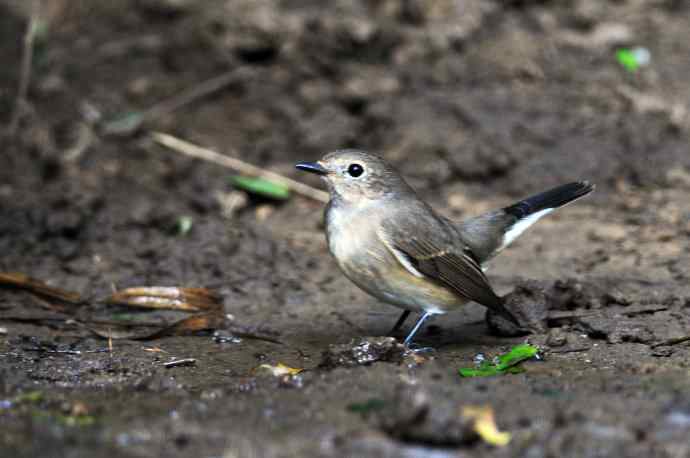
356	176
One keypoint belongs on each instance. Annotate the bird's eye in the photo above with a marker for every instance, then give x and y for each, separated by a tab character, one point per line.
355	170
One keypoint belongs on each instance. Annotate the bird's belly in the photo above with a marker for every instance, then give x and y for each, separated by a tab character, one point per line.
370	265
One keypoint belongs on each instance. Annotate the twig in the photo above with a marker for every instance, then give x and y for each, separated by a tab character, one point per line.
133	121
668	342
568	315
85	137
53	352
192	150
180	362
190	95
25	70
643	310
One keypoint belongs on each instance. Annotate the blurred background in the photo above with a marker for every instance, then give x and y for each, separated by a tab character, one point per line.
510	96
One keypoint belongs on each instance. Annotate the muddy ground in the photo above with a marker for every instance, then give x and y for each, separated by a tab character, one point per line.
476	102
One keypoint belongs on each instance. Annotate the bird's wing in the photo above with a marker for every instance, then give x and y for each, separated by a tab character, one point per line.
433	255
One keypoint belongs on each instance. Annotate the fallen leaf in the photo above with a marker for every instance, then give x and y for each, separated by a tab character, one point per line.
184	225
130	326
367	407
485	425
261	186
30	397
506	363
125	124
168	298
23	281
189	325
280	369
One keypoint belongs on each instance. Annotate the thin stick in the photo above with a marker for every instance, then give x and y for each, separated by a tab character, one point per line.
190	95
192	150
180	362
25	71
673	341
133	121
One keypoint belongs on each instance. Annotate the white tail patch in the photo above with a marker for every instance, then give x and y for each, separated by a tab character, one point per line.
521	226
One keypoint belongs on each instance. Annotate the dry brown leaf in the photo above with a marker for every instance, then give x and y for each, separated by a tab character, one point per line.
23	281
201	300
279	369
485	425
168	297
189	325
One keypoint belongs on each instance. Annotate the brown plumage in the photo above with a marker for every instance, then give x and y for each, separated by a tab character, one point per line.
397	248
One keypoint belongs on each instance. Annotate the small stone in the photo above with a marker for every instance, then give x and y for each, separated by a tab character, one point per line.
662	352
291	381
479	358
223	337
139	87
263	212
556	338
364	351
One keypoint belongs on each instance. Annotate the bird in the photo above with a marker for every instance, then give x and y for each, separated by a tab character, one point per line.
396	247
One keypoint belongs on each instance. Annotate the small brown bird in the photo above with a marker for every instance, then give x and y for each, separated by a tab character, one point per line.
397	248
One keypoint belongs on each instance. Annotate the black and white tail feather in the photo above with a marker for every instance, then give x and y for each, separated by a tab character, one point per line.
530	210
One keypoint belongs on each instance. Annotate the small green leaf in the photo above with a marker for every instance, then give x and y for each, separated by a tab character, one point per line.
633	59
516	355
261	186
126	124
479	372
184	225
506	363
30	397
367	406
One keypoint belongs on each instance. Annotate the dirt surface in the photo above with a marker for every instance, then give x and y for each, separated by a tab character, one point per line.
476	102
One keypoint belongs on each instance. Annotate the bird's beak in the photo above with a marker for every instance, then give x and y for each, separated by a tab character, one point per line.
312	167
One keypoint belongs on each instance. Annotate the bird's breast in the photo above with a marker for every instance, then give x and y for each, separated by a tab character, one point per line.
352	238
364	259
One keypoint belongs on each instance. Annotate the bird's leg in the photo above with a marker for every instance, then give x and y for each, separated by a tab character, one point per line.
400	322
409	337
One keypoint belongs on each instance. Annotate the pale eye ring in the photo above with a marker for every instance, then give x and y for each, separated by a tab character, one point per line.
355	170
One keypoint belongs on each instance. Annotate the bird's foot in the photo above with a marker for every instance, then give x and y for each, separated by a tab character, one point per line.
414	348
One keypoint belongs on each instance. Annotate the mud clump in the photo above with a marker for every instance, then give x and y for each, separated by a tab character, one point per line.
539	306
529	304
364	351
411	416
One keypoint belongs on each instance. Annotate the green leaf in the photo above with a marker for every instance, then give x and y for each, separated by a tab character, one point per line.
516	355
125	124
506	363
184	225
627	59
480	372
30	397
261	186
367	406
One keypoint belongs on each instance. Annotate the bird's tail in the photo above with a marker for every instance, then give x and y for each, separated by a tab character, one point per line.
528	211
549	200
